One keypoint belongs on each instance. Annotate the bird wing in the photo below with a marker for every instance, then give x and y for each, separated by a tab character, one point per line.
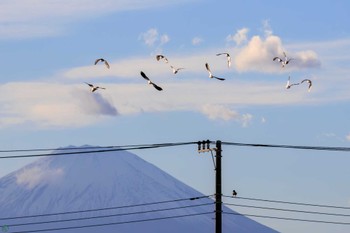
284	53
89	84
144	75
309	81
218	54
97	60
158	57
207	67
221	79
107	64
102	88
277	58
306	80
157	87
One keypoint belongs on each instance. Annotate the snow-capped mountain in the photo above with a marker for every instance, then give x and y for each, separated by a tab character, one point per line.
132	195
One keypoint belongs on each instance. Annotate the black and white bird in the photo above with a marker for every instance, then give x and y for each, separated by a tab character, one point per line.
234	193
285	61
289	85
228	57
102	60
309	82
93	87
150	82
162	57
210	74
175	70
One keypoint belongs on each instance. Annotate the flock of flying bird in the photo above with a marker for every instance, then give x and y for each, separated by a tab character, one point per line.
283	61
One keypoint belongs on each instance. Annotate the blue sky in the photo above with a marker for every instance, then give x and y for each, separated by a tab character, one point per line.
48	49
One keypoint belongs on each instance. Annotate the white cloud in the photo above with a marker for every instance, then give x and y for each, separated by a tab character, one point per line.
31	177
52	105
197	41
267	28
221	112
94	103
152	38
240	36
164	39
258	53
348	137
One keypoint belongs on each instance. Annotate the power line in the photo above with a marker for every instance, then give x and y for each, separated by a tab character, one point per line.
110	215
106	208
103	150
289	202
115	223
288	210
290	219
96	147
323	148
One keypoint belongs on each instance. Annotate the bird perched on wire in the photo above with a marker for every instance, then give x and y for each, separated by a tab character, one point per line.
285	61
234	193
175	70
210	74
162	57
309	82
94	88
228	57
150	82
102	60
289	85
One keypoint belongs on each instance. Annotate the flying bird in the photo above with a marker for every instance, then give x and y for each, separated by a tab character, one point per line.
94	88
228	58
150	82
289	85
234	193
284	61
159	57
309	82
102	60
210	74
175	70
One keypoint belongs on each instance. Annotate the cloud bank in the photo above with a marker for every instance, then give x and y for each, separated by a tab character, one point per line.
257	56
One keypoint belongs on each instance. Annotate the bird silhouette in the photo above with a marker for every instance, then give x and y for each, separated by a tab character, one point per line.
210	74
285	61
162	57
309	82
289	85
227	56
150	82
94	88
234	193
175	70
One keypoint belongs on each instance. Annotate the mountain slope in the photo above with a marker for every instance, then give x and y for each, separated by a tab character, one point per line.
113	179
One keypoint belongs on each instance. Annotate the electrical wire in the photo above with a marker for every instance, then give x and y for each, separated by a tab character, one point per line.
103	150
290	219
288	210
114	223
95	147
323	148
106	208
289	202
109	215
